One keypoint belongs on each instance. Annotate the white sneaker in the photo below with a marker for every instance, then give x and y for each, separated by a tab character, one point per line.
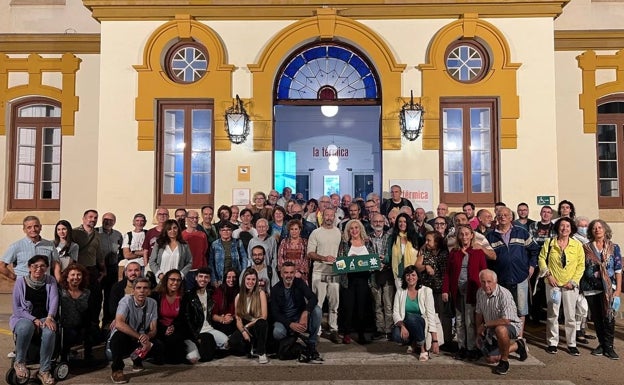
262	359
11	355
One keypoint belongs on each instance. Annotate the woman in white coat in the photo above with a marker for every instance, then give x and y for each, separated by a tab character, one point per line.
415	319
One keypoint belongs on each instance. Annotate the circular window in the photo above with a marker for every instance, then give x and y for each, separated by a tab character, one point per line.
187	62
467	61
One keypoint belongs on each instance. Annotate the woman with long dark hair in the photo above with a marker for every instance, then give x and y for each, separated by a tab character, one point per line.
170	251
65	245
402	246
224	303
251	318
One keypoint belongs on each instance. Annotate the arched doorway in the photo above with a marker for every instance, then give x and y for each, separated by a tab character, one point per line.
327	122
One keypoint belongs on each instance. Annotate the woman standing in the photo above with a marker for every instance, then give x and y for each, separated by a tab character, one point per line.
224	303
402	246
562	263
431	265
75	309
172	328
35	303
295	249
602	284
311	211
251	318
170	252
460	285
278	225
414	316
65	245
355	242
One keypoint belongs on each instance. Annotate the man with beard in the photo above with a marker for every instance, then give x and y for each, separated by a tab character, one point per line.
258	259
123	287
523	216
383	284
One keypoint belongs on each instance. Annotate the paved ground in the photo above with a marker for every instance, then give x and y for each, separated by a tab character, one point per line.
375	364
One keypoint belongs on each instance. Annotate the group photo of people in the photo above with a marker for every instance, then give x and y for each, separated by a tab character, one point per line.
263	281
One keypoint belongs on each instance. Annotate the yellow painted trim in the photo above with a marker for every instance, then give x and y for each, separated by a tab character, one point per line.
77	43
17	217
326	25
500	81
589	62
155	84
582	40
106	10
35	65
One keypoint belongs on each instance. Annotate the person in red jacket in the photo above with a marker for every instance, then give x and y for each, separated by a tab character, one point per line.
460	284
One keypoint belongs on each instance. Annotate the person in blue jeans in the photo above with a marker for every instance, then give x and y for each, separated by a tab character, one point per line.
35	304
414	316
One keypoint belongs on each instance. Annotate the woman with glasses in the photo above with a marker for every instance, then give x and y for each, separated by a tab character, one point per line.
35	304
602	284
440	225
170	251
172	328
561	264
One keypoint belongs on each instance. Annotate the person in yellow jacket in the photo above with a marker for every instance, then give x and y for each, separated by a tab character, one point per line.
561	263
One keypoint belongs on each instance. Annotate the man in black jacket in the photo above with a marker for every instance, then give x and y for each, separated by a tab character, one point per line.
295	311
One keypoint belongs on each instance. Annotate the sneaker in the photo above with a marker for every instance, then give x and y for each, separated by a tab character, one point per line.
378	336
424	356
20	370
315	357
573	351
389	336
11	354
610	353
461	354
522	350
410	350
118	377
346	339
137	367
333	337
552	349
580	338
262	359
598	351
45	378
502	368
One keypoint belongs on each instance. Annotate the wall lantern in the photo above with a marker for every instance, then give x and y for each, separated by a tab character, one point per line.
237	122
411	119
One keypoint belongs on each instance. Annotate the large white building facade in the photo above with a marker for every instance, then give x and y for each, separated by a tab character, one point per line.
119	105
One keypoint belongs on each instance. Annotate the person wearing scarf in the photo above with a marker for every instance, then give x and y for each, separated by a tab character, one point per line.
602	284
402	246
35	304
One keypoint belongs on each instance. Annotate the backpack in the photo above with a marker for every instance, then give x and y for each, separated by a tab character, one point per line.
289	348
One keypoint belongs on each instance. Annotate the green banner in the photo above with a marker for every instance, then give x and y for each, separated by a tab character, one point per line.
357	263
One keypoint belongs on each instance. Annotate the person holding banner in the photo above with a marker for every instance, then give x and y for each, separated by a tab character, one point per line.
355	242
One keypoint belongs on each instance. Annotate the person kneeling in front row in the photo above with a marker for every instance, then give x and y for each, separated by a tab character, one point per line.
497	323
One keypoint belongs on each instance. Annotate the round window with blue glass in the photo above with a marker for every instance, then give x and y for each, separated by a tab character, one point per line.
467	61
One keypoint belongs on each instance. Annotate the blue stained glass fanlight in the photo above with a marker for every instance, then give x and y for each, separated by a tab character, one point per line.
327	66
188	64
465	63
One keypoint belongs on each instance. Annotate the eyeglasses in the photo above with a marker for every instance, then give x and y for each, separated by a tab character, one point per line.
274	196
193	218
226	229
439	223
39	267
162	214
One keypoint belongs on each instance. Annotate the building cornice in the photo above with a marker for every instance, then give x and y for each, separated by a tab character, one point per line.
76	43
108	10
583	40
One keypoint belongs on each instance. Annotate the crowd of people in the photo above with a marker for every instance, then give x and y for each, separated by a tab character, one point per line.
254	281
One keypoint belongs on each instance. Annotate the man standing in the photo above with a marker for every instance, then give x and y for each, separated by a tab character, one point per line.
132	245
442	211
18	253
110	245
516	259
273	198
135	330
469	209
497	323
383	284
345	202
485	221
180	216
286	196
226	253
544	229
206	225
335	204
265	279
269	245
395	201
246	230
420	223
479	241
323	249
197	241
295	309
523	216
354	213
90	256
162	215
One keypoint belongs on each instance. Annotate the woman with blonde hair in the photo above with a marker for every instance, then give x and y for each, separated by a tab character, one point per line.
251	318
355	242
